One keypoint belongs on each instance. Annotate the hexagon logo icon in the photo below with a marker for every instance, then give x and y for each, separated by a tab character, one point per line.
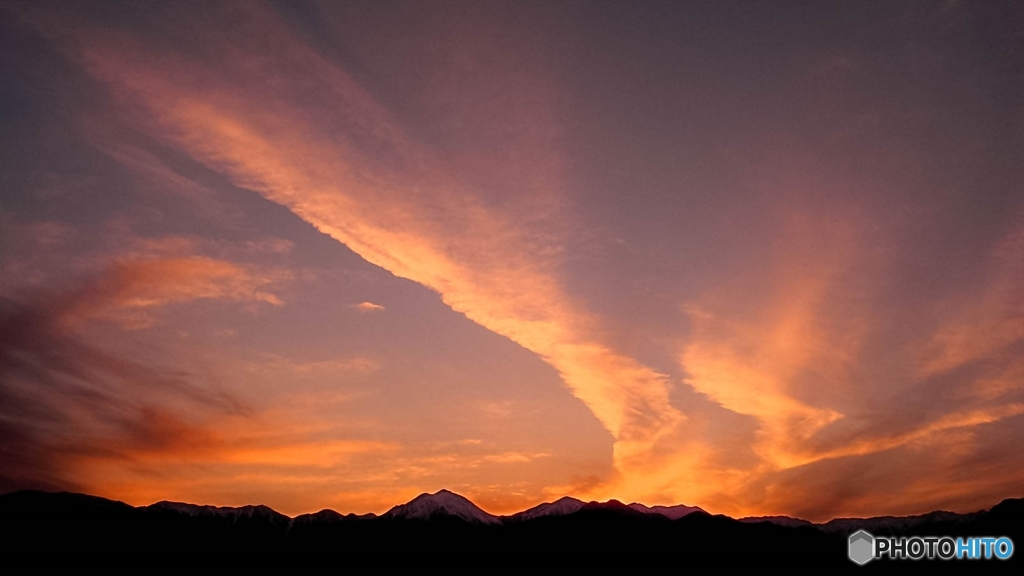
861	547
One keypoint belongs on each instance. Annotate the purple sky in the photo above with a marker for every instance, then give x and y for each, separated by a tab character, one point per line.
764	258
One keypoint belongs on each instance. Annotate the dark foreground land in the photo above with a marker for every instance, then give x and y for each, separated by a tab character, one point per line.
41	531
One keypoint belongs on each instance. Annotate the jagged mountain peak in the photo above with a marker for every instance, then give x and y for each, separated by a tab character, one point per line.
777	520
561	507
671	512
232	512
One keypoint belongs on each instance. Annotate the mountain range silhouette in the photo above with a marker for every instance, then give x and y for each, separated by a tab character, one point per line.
43	530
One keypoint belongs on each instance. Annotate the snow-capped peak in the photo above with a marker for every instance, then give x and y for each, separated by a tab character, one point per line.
441	503
561	507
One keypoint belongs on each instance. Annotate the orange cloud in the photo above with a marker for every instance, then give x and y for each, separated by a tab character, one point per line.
985	323
398	208
144	284
129	290
784	348
754	362
160	437
512	457
749	362
155	456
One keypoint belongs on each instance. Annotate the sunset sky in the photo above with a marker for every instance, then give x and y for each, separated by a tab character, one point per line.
758	257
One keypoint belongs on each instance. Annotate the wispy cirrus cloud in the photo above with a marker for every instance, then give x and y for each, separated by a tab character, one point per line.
62	395
985	323
819	350
131	290
70	402
80	416
345	165
803	359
